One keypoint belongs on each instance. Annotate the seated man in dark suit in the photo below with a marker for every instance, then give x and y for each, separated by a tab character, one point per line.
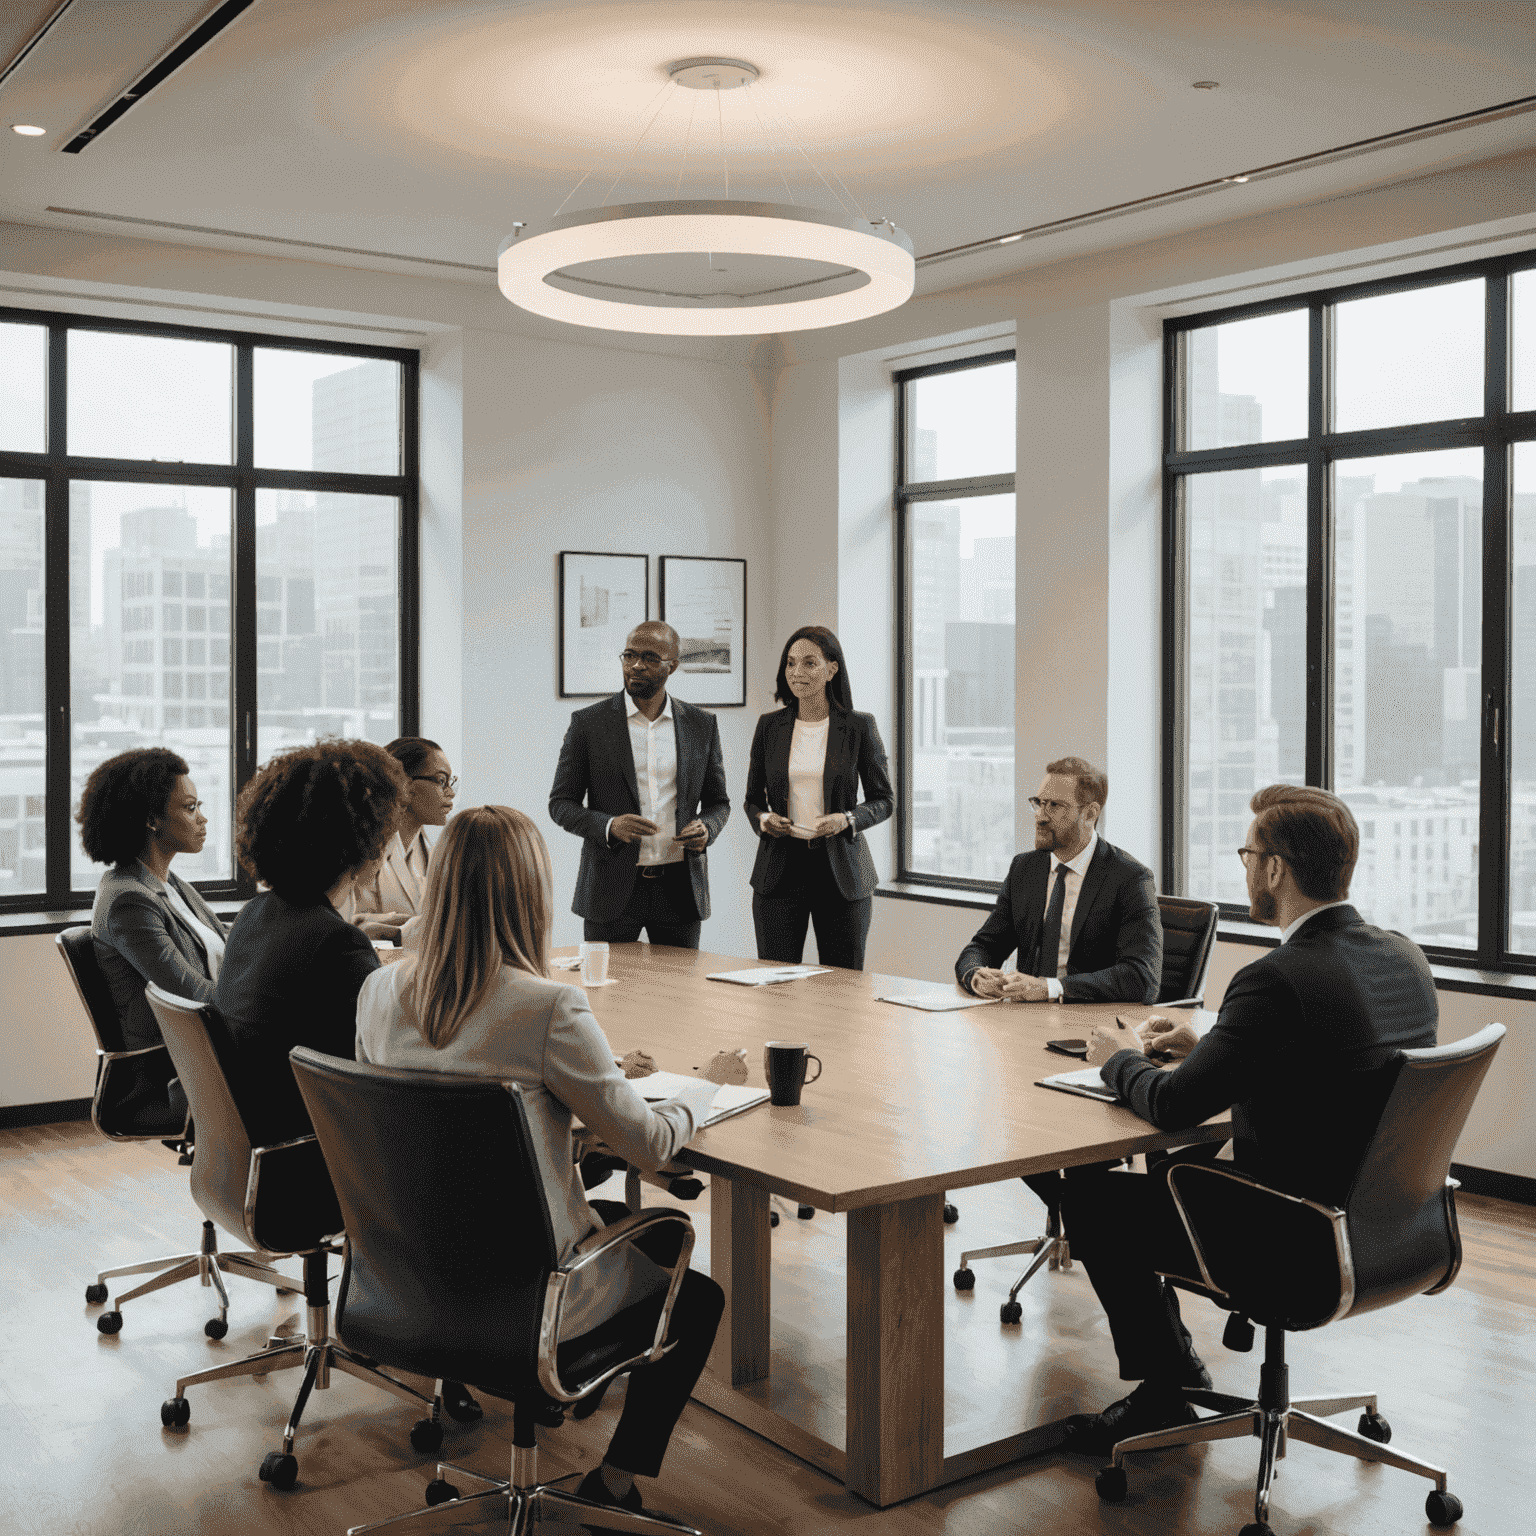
1304	1053
1081	913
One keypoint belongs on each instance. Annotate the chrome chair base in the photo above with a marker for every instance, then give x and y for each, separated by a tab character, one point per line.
519	1509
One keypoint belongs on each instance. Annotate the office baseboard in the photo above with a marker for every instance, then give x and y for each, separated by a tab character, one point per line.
13	1115
1502	1186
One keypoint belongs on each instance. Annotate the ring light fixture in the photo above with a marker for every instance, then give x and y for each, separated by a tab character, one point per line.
865	266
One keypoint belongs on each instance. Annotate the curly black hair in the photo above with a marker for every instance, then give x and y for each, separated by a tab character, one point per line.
314	813
121	797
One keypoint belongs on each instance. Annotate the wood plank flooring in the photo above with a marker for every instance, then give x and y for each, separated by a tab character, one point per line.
86	1456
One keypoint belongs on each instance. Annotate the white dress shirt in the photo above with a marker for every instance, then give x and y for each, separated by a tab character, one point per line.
213	943
654	744
1076	869
807	771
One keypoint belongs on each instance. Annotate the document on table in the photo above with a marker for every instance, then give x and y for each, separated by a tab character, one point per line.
1085	1082
768	975
950	1000
730	1098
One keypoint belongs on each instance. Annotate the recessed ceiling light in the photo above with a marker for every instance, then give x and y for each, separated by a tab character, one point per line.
1207	85
28	130
1009	239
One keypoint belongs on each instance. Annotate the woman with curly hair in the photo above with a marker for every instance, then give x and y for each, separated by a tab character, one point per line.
139	810
309	823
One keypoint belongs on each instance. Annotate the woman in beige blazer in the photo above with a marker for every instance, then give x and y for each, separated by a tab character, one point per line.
385	905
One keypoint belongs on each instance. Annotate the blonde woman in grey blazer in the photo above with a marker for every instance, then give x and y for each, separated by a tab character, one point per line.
139	810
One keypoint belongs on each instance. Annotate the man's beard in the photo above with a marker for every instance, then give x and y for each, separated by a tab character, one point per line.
1045	837
641	688
1262	906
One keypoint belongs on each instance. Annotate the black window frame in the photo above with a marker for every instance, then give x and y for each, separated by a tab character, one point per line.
906	494
56	467
1496	431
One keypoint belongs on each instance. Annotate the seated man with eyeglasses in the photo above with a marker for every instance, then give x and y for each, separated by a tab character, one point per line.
641	781
1080	913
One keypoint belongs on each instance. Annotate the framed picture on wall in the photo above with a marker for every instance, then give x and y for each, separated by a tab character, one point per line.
602	598
705	601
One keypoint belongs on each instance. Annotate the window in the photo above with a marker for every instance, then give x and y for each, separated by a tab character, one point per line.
955	509
1350	498
163	491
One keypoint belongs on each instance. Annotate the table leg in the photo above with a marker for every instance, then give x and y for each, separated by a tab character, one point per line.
895	1389
738	1260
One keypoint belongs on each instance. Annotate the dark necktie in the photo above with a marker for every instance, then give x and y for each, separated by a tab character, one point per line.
1050	934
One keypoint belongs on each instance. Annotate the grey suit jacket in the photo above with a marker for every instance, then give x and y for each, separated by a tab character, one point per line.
595	781
140	938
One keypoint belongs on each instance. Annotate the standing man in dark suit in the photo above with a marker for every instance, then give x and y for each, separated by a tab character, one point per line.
1081	913
1304	1053
642	782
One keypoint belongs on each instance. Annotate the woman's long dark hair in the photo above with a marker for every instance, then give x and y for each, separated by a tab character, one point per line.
839	694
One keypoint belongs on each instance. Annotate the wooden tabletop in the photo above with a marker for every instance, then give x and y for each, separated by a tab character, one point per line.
909	1103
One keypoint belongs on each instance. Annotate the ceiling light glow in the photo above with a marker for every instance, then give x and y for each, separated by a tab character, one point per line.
28	130
1009	239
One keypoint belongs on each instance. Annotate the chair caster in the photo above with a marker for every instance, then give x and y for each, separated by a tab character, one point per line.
805	1212
1442	1508
1238	1334
1111	1485
965	1280
96	1294
1011	1312
426	1437
279	1469
175	1412
1374	1427
550	1416
109	1323
216	1327
1257	1530
459	1405
951	1214
440	1492
773	1218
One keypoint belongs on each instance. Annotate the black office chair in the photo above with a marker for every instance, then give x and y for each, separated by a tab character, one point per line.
1290	1264
1189	942
452	1269
130	1104
279	1199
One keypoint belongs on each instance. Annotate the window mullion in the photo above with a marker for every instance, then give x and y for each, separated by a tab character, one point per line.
409	564
58	827
1320	544
243	744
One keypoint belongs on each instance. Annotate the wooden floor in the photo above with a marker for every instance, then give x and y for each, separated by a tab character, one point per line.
85	1454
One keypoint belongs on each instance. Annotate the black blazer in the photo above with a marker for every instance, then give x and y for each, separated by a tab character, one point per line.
595	781
855	755
1116	955
291	975
1304	1053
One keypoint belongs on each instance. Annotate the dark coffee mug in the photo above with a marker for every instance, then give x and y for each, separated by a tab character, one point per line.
784	1065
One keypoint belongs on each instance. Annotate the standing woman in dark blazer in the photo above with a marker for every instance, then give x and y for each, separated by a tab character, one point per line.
808	762
137	812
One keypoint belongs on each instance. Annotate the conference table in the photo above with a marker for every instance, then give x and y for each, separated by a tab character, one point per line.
909	1105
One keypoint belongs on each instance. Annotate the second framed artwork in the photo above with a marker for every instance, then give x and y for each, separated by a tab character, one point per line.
602	598
705	601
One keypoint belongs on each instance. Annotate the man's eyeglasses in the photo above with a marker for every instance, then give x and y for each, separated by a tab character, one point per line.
444	781
650	658
1256	853
1050	807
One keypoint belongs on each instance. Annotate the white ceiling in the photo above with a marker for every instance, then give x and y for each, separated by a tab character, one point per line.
424	128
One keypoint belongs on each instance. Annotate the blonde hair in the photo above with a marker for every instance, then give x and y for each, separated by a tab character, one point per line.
487	905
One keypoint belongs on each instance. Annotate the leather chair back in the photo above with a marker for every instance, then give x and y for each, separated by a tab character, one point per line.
1189	942
129	1103
449	1241
278	1200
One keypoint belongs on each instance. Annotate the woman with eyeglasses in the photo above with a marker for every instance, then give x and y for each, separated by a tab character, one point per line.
808	763
384	906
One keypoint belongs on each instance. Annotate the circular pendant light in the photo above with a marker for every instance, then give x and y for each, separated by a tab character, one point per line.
880	253
655	267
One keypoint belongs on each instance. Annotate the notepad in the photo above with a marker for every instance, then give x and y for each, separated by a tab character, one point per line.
730	1098
937	1002
768	975
1085	1082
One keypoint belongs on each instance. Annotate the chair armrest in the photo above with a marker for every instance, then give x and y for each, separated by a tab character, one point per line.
587	1252
1274	1256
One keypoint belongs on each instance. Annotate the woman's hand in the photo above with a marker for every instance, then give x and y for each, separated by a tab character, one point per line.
830	826
771	824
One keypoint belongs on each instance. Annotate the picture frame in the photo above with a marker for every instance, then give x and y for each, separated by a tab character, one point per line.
704	598
601	598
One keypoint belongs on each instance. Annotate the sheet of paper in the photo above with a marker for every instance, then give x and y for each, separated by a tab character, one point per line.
768	975
937	1002
730	1098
